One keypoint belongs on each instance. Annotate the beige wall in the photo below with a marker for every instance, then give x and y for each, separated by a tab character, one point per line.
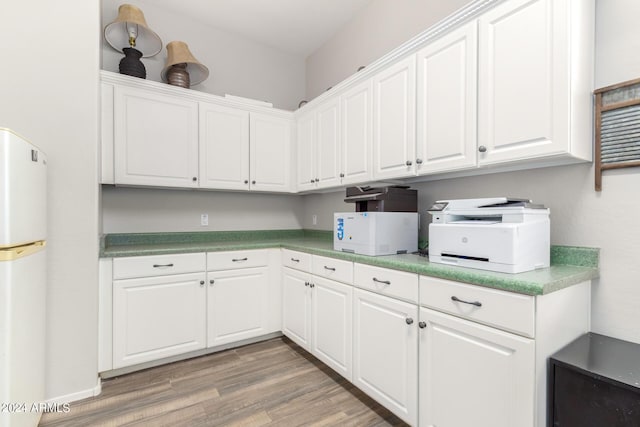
377	29
49	90
137	210
579	215
237	66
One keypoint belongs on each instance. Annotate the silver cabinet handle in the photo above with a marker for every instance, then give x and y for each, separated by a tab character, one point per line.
201	283
408	163
311	285
211	282
246	181
306	283
317	179
419	161
341	175
295	260
194	179
313	180
409	320
253	182
422	325
482	149
476	303
162	265
329	268
384	282
239	259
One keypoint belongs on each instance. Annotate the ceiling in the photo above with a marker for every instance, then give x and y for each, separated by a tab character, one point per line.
297	27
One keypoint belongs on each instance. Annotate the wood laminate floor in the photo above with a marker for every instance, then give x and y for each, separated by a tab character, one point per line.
272	383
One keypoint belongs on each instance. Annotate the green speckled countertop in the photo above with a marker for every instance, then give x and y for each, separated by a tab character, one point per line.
569	265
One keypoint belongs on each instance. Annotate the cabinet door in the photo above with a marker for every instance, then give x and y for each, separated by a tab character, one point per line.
447	75
306	144
394	138
356	117
490	372
158	317
332	330
237	306
385	352
328	144
224	147
155	139
270	157
523	81
296	307
106	136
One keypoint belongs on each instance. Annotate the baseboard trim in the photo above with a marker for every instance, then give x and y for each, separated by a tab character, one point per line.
79	395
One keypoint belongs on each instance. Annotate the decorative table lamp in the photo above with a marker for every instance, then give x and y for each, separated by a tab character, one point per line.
182	68
130	34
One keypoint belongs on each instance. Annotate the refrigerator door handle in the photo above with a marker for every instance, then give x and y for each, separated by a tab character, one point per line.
16	252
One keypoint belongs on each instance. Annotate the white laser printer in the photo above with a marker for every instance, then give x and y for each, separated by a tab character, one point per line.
499	234
385	221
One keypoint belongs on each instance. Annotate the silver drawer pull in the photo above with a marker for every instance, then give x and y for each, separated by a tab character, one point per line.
239	259
329	268
476	303
162	265
295	260
384	282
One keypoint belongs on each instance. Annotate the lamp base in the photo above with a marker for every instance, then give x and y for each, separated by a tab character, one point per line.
178	75
131	64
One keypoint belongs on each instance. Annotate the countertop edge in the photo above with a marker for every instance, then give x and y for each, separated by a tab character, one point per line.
510	283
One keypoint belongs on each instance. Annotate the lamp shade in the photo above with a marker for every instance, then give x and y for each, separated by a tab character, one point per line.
178	53
130	21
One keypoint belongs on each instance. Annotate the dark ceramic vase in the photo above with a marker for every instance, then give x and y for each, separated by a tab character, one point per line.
179	76
131	64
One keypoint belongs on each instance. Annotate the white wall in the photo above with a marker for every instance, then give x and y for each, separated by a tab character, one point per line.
49	88
237	66
579	215
378	28
137	210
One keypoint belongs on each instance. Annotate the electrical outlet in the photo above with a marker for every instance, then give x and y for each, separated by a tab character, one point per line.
204	219
314	219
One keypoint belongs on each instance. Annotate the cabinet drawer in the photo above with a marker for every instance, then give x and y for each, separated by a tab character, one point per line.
296	260
335	269
394	283
504	310
158	265
237	259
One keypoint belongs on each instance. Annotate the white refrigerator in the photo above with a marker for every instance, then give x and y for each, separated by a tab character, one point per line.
23	232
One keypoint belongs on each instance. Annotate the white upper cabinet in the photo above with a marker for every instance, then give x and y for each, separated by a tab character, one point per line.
356	131
161	136
446	105
328	144
155	139
394	120
224	147
270	153
306	144
534	85
319	147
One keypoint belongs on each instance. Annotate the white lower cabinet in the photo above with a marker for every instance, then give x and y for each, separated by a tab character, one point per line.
157	317
474	375
385	352
331	324
317	316
296	307
237	305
